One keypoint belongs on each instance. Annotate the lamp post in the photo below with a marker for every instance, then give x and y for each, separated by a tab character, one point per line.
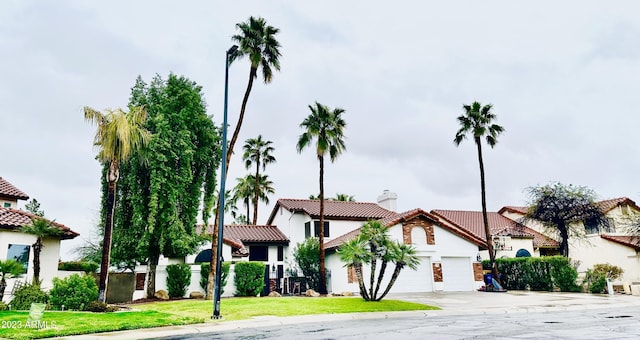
223	178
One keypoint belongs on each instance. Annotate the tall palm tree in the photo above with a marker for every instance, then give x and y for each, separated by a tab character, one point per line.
40	228
257	42
264	186
9	268
259	152
117	136
243	192
478	121
326	127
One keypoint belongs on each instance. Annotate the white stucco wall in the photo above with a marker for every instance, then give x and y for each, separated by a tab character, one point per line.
596	250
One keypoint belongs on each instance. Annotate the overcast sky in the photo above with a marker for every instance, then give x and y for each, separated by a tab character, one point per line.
562	76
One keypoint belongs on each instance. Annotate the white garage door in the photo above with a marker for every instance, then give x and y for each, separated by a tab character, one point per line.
457	274
420	280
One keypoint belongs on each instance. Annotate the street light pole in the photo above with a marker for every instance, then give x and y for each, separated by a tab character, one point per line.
223	178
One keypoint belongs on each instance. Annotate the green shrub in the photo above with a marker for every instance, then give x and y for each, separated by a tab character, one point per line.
26	295
563	274
306	255
249	278
178	279
204	275
74	292
595	280
85	266
537	273
3	306
608	271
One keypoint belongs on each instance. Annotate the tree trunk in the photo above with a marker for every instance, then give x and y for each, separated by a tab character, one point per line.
112	178
234	138
564	240
151	275
487	229
37	249
374	264
363	290
323	272
3	285
383	268
256	193
394	277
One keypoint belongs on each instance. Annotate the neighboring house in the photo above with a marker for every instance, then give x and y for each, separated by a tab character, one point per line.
508	236
447	255
601	245
15	244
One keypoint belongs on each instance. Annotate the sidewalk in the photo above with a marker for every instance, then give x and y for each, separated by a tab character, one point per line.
452	303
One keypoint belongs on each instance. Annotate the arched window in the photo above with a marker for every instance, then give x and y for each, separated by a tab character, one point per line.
418	236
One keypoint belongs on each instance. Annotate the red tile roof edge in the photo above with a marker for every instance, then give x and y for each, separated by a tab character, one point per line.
624	240
13	191
68	233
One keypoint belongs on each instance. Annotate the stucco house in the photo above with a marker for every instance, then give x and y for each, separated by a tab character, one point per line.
611	245
509	236
15	244
447	255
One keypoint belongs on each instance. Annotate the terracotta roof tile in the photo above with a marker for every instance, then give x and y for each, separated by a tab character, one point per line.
238	234
609	204
499	225
630	241
355	211
8	190
514	209
13	219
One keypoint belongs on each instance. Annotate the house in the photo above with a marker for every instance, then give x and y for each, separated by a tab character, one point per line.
611	244
15	244
447	255
509	236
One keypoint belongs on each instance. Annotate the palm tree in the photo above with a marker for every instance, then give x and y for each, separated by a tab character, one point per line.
257	42
403	255
353	253
478	120
344	198
243	191
118	135
326	127
258	152
40	228
9	268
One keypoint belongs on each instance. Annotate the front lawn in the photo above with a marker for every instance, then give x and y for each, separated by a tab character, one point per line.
245	308
14	325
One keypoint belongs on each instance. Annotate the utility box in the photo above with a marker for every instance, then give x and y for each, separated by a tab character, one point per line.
635	288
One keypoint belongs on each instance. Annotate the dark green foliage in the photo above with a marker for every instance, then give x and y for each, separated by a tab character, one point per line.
99	307
87	267
306	255
158	200
537	273
73	292
28	294
178	279
204	275
249	278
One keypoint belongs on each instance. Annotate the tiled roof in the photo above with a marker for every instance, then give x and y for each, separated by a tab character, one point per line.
13	219
399	218
514	209
354	211
630	241
8	190
609	204
236	235
499	225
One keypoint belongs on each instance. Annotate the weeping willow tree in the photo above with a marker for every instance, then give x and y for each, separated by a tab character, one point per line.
159	199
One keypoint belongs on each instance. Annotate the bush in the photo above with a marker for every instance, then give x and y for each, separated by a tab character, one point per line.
178	279
249	278
563	274
595	280
3	306
99	307
84	266
608	271
74	292
26	295
204	275
306	255
537	273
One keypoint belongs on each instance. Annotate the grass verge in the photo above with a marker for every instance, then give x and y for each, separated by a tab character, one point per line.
15	325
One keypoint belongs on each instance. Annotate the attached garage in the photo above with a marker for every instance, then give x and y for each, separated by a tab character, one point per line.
411	281
457	274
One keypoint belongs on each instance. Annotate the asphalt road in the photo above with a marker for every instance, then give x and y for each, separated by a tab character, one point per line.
606	323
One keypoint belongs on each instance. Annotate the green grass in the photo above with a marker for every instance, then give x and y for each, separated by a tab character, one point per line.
245	308
13	325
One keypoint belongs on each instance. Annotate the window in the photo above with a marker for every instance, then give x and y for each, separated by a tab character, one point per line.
258	253
316	229
7	205
280	253
20	253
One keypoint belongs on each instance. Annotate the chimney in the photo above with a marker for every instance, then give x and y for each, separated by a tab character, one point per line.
388	200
